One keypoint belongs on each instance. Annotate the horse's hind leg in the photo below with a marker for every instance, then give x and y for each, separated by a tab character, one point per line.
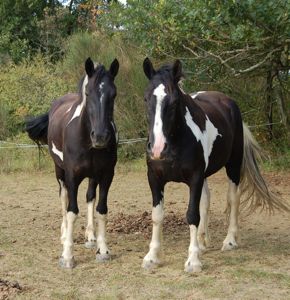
91	228
233	203
202	233
67	259
64	201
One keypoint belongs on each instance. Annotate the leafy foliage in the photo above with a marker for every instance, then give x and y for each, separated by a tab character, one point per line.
27	89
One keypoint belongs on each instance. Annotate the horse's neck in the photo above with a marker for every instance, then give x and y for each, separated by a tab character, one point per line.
83	124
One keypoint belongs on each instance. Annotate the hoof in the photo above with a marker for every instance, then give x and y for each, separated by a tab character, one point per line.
66	264
150	264
202	247
191	268
103	257
90	244
229	246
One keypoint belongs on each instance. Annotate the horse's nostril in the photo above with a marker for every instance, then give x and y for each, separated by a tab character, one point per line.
92	133
165	147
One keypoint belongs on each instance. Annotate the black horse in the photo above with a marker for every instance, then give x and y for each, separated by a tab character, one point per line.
81	135
190	138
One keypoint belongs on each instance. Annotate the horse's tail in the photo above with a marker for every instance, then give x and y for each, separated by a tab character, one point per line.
253	186
36	127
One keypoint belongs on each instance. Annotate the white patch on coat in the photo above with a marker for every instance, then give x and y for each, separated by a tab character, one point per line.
195	94
115	131
80	107
159	138
56	151
69	110
207	137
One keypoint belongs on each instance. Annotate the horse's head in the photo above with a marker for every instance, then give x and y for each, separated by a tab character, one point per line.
162	97
99	91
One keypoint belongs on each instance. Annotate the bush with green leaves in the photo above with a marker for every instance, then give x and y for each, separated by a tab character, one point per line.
27	89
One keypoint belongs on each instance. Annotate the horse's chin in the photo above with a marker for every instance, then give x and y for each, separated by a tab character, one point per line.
163	158
99	147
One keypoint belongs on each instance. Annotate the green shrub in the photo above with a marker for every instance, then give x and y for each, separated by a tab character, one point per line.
27	89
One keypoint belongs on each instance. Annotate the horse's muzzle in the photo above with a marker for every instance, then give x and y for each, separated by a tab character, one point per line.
160	155
100	141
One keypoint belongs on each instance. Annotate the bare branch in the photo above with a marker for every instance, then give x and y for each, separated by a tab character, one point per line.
254	67
238	52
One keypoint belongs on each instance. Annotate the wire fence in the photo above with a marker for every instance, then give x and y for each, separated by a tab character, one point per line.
13	145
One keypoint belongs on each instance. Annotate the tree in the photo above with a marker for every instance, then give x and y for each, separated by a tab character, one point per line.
217	39
32	25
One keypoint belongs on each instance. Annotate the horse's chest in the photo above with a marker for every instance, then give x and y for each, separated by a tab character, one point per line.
171	171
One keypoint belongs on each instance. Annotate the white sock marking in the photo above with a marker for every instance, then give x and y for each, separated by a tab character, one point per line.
91	230
159	138
193	263
101	239
155	244
68	244
56	151
207	137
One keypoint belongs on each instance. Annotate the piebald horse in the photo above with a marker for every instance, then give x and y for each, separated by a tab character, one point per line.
190	138
82	140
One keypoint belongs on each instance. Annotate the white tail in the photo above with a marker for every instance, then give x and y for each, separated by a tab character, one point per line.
253	186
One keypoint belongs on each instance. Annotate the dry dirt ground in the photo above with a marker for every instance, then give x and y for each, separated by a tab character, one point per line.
30	219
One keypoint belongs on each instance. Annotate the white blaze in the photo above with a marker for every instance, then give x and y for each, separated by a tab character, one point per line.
159	138
101	91
206	137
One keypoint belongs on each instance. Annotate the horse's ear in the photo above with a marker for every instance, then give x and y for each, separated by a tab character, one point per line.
148	68
177	70
114	68
90	68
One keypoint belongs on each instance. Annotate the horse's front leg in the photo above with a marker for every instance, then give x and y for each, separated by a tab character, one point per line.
193	263
157	189
103	252
67	259
91	228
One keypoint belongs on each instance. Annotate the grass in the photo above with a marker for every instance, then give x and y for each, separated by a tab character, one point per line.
29	241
